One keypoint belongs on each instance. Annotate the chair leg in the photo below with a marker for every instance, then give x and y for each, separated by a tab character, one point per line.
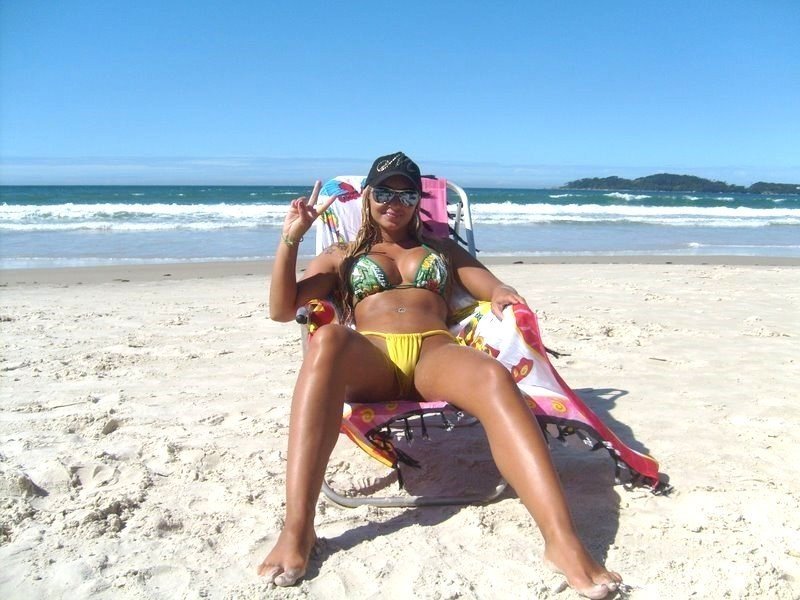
406	501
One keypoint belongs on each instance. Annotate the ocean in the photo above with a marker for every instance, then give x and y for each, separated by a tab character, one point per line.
64	226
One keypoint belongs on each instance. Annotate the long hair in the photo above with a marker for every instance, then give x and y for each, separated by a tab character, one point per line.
368	235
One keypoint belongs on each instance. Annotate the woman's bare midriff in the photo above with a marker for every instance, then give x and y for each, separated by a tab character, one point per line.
409	310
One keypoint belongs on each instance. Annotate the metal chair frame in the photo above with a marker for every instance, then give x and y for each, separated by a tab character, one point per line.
407	500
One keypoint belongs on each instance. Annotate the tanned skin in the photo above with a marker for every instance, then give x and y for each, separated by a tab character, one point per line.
341	364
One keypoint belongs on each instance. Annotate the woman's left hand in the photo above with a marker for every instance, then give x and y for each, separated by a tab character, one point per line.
502	296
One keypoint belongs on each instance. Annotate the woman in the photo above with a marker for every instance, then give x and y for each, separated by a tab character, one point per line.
395	283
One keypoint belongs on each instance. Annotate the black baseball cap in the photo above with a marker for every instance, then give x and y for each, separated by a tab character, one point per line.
394	164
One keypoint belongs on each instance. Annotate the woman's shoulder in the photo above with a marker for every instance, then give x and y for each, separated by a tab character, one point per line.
338	249
444	246
331	257
456	253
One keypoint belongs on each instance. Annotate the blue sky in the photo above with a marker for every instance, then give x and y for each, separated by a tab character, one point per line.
496	94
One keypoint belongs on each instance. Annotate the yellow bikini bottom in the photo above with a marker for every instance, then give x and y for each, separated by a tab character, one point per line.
403	349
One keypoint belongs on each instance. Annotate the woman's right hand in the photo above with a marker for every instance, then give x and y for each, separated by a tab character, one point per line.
302	213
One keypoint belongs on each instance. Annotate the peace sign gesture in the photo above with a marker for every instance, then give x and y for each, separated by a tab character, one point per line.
302	213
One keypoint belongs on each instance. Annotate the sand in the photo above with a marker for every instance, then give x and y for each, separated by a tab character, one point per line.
144	413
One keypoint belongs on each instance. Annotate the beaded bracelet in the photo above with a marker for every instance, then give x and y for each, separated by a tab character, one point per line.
289	241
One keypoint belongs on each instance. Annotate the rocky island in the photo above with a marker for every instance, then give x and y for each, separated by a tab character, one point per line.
667	182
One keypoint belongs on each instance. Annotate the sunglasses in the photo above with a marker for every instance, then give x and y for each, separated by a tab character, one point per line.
383	195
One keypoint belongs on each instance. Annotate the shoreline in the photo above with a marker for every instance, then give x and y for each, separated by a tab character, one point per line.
262	268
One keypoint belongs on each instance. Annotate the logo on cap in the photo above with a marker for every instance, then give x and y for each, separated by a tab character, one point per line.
382	166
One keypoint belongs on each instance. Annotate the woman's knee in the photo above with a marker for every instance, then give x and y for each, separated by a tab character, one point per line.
494	377
331	345
494	396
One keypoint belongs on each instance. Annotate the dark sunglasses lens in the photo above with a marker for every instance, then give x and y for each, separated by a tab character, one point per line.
382	195
385	195
409	198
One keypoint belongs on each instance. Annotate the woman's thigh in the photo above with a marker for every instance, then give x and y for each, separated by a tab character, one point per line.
364	368
463	376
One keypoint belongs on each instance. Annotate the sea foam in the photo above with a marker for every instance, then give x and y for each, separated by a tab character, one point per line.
627	197
508	213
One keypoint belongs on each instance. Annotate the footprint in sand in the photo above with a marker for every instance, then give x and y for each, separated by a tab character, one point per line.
94	476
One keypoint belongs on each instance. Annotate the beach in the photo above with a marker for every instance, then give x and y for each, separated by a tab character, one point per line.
144	417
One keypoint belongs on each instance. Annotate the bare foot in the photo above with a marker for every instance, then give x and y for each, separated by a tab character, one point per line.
584	574
286	564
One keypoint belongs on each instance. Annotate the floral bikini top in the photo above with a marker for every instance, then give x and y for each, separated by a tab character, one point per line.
367	276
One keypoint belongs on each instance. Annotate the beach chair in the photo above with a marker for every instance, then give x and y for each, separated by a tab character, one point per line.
514	341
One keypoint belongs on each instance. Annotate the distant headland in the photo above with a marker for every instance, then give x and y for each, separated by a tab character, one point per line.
667	182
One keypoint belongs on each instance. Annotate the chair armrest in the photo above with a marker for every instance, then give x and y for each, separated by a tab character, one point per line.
316	313
511	339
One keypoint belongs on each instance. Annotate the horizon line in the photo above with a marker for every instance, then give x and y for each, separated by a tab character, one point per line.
248	171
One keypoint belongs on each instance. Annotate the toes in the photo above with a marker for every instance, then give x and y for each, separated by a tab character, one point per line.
279	576
614	582
289	577
269	571
596	592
